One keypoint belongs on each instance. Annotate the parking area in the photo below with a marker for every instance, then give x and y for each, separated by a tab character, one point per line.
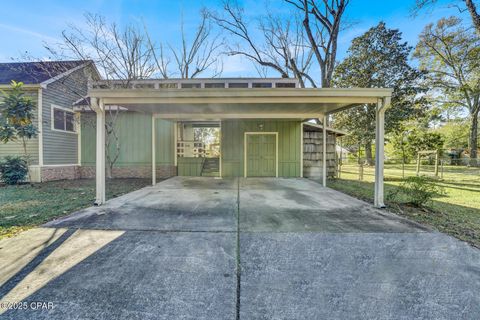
205	248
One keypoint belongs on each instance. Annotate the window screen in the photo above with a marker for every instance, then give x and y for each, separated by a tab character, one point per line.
238	85
63	120
262	85
190	85
69	122
285	85
58	119
215	85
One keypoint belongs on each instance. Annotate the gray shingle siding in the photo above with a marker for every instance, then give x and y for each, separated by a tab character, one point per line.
16	147
62	147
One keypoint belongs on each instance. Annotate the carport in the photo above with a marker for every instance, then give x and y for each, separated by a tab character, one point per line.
230	99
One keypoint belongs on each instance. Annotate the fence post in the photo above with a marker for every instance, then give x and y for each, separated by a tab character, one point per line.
403	168
441	161
360	171
418	164
436	164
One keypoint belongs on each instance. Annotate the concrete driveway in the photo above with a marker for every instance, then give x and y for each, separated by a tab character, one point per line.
200	248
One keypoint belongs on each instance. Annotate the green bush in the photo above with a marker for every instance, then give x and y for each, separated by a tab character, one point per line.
420	190
13	170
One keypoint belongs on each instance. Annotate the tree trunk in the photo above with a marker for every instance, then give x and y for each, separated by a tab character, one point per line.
472	9
108	170
27	159
368	153
473	143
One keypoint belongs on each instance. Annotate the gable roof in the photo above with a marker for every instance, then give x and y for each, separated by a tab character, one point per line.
36	72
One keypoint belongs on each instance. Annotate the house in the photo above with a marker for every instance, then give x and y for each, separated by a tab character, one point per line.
258	123
231	127
53	86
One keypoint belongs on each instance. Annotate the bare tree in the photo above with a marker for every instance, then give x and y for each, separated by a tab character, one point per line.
201	54
123	55
470	6
191	58
282	47
322	31
120	54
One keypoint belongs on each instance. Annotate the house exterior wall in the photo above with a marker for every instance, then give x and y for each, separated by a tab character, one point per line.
134	132
15	148
289	145
60	148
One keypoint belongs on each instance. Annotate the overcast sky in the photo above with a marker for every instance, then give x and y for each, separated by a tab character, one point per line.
26	25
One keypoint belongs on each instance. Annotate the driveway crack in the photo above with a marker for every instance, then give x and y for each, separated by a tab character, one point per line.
238	262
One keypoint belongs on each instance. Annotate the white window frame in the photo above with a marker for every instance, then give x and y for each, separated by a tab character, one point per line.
52	119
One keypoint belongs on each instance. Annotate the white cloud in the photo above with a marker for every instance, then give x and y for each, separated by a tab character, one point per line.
28	32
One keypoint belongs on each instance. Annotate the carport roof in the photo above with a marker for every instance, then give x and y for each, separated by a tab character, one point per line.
219	103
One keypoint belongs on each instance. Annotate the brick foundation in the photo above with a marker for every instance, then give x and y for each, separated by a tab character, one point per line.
163	171
85	172
59	173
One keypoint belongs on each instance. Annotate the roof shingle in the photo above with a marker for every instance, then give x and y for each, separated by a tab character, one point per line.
35	72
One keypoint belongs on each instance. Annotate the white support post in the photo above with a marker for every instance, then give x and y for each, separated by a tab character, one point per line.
324	152
301	150
154	161
379	151
100	155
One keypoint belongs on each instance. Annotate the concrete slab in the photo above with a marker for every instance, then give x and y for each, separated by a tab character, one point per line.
306	252
143	275
298	205
176	204
358	276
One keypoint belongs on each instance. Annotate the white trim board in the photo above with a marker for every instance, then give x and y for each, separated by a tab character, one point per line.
79	139
45	83
245	150
52	120
301	150
40	126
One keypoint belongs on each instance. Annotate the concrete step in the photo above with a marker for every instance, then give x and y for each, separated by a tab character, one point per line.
210	174
211	167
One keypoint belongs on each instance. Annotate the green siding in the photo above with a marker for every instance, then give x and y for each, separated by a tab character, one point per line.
135	135
62	147
289	145
190	166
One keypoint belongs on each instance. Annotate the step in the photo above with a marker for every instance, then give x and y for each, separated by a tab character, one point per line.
210	174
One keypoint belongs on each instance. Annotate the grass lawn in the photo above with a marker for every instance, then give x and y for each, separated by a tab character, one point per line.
25	206
457	212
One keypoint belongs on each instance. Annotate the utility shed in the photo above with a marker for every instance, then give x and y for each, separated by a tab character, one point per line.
313	147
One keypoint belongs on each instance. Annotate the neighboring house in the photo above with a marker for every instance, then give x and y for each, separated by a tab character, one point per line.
54	86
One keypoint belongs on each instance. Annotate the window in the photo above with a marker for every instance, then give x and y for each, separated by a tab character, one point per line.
238	85
63	120
190	85
261	85
215	85
285	85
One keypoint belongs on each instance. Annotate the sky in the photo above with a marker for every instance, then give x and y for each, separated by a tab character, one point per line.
25	26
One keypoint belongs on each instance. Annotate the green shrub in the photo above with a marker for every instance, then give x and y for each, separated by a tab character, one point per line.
13	170
420	190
